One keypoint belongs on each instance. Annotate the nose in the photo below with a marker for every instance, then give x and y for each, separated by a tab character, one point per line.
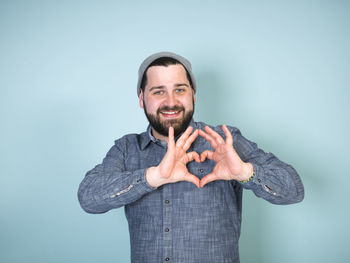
170	100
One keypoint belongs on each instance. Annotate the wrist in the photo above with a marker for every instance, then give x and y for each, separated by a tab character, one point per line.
153	177
150	172
248	173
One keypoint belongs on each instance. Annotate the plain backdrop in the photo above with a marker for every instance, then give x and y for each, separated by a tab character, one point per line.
277	70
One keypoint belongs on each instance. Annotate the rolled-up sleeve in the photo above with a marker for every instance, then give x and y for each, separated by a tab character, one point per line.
110	186
274	180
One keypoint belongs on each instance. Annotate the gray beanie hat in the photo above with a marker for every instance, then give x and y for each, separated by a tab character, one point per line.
155	56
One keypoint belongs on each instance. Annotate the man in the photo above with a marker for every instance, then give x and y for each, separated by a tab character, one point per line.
181	181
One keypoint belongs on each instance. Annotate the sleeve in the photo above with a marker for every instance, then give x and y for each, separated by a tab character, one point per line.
275	181
109	185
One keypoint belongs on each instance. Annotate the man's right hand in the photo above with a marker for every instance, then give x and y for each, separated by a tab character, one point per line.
173	166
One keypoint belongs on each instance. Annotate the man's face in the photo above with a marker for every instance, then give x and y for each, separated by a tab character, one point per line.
168	99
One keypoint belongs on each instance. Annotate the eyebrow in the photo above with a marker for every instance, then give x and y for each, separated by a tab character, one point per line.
182	84
156	87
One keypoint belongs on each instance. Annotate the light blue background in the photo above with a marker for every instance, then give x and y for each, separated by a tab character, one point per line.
278	70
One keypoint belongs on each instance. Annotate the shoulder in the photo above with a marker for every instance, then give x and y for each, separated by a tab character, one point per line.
132	139
128	142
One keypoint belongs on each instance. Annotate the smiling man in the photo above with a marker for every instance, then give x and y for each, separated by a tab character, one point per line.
181	181
168	99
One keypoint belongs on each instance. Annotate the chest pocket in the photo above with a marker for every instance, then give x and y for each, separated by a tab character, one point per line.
207	197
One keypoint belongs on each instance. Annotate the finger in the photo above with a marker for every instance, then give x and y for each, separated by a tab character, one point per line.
192	179
171	141
180	142
214	134
207	179
209	138
190	140
207	154
193	156
228	135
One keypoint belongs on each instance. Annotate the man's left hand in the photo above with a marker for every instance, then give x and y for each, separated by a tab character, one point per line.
229	165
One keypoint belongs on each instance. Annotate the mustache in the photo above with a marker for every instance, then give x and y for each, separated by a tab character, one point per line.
174	108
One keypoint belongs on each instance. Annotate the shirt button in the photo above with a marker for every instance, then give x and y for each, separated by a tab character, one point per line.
167	230
138	181
166	201
201	170
167	259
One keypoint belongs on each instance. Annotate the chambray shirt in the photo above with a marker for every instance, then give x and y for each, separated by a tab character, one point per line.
178	222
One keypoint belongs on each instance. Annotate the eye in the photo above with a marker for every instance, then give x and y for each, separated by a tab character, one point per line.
159	92
180	90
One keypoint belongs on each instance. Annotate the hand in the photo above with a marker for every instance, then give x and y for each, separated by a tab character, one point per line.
173	168
229	165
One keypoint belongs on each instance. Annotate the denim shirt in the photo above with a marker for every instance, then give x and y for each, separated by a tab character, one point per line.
179	222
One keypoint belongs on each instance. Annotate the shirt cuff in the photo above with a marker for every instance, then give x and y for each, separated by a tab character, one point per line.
257	179
142	184
135	184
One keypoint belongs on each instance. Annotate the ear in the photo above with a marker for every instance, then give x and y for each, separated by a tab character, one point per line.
141	99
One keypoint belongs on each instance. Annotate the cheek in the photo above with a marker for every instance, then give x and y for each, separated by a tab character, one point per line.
188	103
151	106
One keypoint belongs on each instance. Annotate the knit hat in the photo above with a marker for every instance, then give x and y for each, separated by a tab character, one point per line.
155	56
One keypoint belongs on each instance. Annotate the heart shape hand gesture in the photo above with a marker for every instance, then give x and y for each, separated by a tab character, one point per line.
173	168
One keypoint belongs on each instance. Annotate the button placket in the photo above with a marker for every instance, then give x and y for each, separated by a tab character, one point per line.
167	219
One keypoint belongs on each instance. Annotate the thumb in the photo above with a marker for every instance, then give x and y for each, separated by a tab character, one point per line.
192	179
207	179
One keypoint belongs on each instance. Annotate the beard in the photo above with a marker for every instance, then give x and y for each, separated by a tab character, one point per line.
162	127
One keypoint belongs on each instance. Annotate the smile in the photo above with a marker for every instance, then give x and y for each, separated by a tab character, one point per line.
170	114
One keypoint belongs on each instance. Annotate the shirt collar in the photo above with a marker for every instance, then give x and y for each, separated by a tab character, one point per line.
146	137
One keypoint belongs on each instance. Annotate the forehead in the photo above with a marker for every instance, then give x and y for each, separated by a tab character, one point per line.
163	75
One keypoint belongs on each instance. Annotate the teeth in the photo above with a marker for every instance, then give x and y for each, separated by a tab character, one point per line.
169	112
